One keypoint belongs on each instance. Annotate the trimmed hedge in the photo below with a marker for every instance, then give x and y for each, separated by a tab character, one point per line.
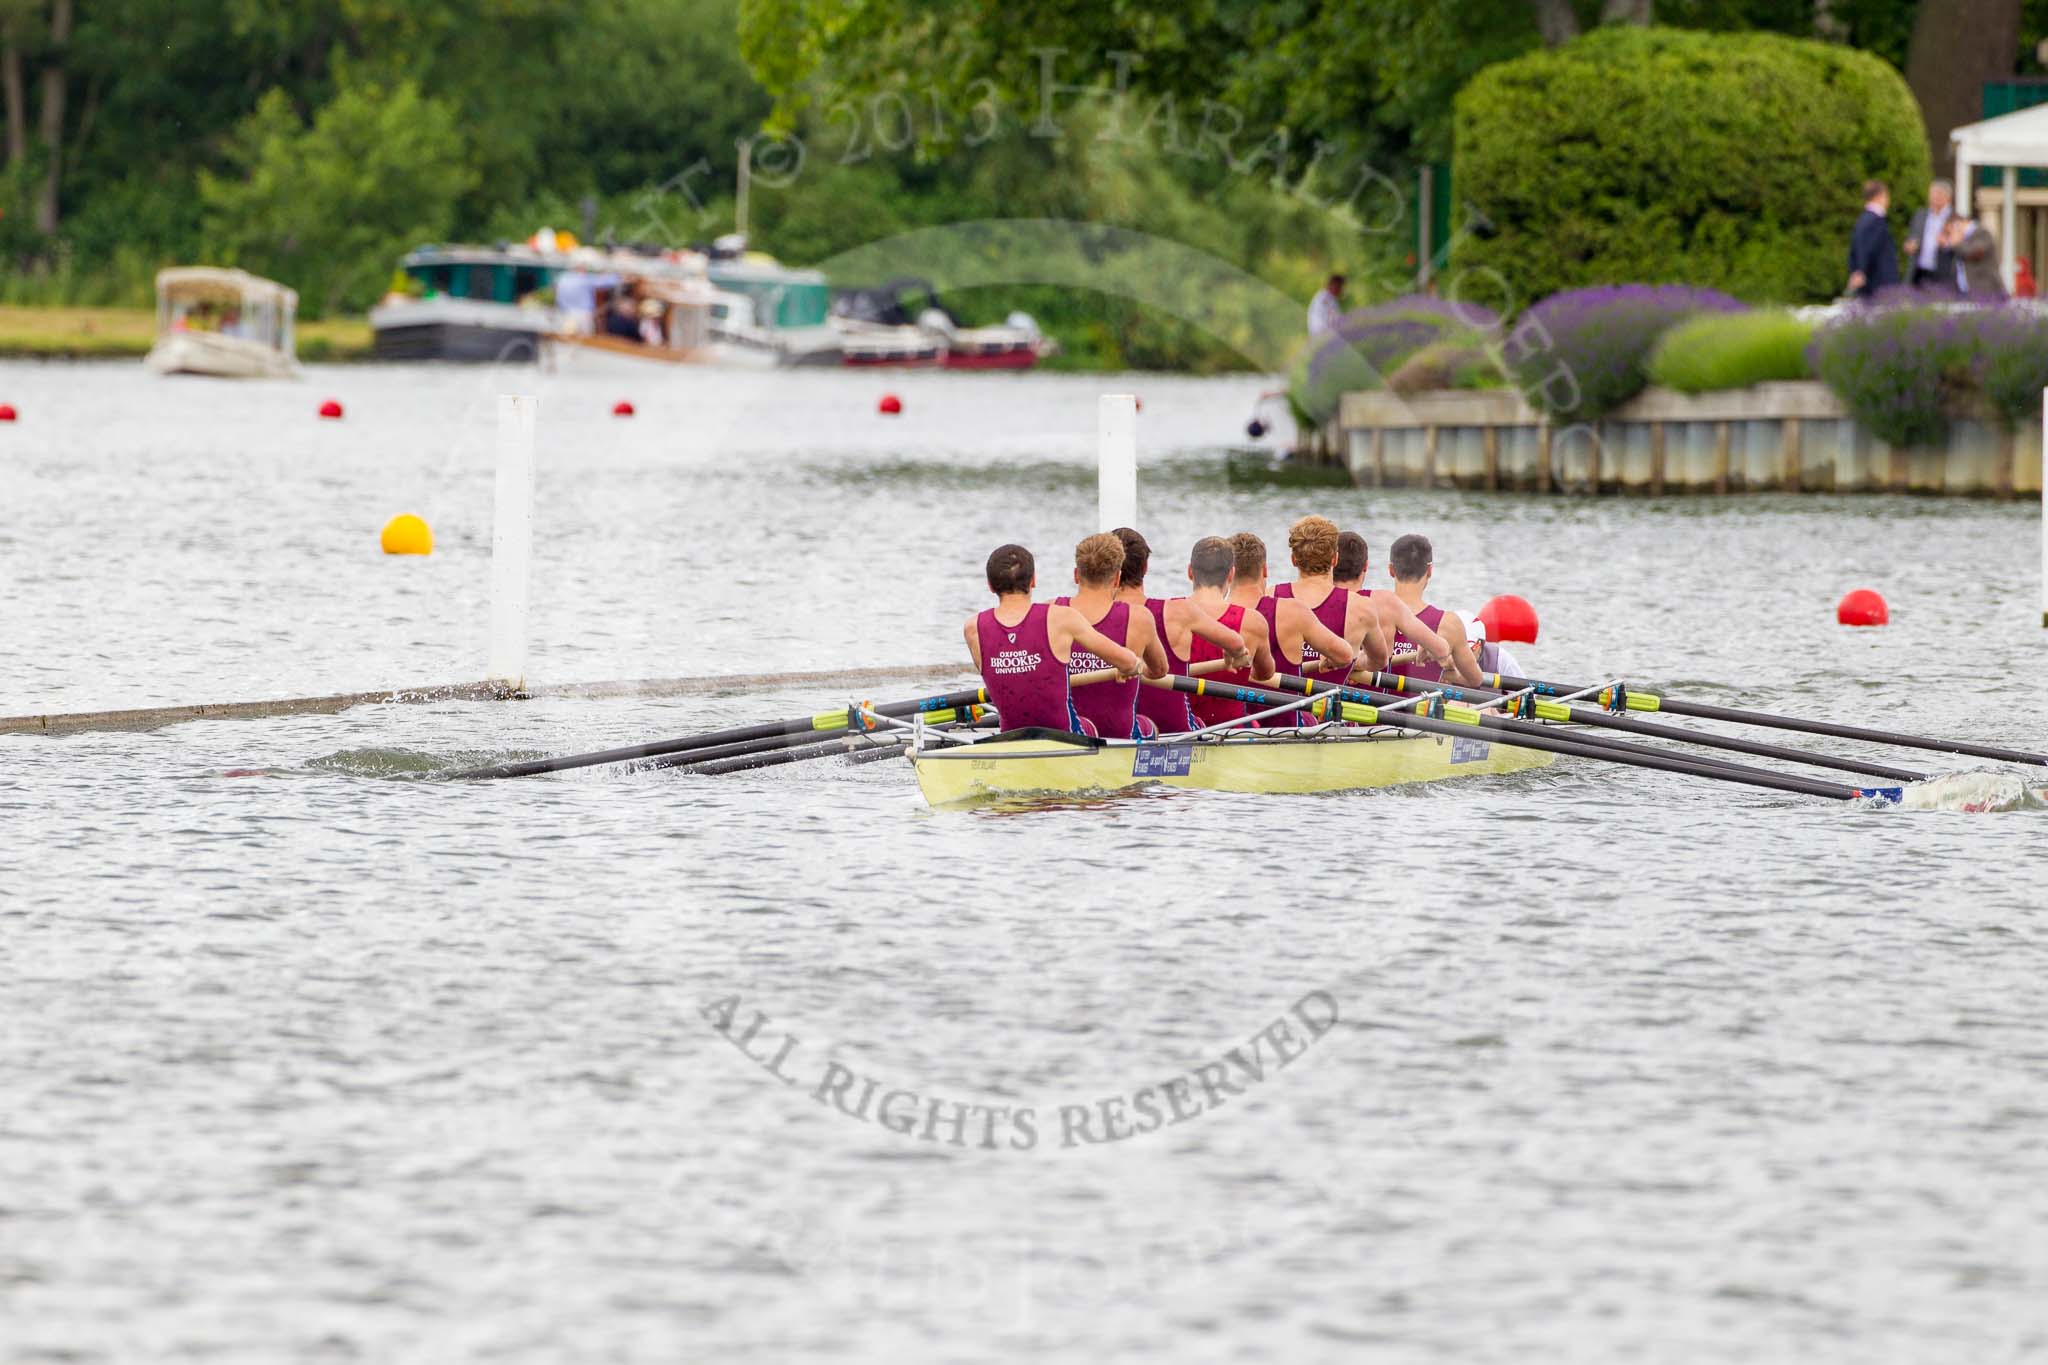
1731	351
1728	160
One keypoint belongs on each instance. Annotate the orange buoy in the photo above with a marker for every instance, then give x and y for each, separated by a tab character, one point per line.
890	405
330	409
622	408
1863	607
1509	617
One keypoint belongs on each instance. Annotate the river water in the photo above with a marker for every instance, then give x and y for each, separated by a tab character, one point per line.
332	1063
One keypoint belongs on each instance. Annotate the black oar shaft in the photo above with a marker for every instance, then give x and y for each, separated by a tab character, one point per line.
1524	735
821	724
1609	720
1770	720
1822	727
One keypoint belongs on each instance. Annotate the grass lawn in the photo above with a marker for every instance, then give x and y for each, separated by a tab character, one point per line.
90	333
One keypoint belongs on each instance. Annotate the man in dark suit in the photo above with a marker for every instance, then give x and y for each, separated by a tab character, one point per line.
1873	259
1928	259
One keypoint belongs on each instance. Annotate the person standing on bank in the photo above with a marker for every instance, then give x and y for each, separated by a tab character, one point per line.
1326	307
1975	249
1928	262
1873	258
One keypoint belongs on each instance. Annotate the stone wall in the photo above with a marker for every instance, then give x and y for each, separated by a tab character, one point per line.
1773	437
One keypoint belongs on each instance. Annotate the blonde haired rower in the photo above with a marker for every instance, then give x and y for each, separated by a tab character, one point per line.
1357	616
1284	624
1111	707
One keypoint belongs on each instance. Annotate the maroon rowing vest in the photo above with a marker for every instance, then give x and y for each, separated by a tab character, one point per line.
1217	710
1164	707
1331	612
1112	707
1025	679
1422	670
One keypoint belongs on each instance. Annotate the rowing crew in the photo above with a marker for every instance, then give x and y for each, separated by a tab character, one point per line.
1324	625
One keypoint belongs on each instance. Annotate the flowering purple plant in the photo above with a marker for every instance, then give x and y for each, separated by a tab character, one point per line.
1368	344
1580	354
1917	296
2009	364
1898	370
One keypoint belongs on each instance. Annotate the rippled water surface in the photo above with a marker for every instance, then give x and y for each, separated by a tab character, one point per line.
333	1061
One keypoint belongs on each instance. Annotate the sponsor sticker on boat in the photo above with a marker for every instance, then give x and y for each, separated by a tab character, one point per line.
1469	750
1162	760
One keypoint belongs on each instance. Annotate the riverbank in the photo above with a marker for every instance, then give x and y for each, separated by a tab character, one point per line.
115	333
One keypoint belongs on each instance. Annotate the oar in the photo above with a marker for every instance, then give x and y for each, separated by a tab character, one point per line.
856	748
824	721
817	744
1460	721
1101	675
1649	701
1389	683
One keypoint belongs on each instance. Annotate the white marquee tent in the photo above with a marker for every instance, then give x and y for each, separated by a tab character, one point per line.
2009	142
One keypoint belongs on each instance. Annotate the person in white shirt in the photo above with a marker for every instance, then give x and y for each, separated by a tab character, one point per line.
1930	259
1326	307
1492	658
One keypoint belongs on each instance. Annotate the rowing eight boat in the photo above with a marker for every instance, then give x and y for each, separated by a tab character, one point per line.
1051	762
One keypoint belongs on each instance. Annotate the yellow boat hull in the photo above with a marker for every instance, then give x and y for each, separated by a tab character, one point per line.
1051	765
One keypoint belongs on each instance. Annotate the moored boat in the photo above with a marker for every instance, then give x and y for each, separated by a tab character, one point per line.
1047	762
469	303
228	324
903	322
667	321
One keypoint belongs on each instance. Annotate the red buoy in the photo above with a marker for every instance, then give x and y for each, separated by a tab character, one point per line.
1509	617
890	405
622	408
6	412
1863	607
330	408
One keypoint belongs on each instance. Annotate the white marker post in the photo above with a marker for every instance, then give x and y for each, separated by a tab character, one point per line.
2044	509
512	541
1116	453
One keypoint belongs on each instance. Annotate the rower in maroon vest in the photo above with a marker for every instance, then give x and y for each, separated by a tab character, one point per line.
1412	563
1021	647
1212	572
1165	710
1111	707
1352	617
1397	619
1291	629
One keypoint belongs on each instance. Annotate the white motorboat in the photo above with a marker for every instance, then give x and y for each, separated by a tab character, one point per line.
225	323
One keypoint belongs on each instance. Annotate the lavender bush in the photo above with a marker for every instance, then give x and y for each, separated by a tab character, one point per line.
1368	344
1899	370
2010	361
1578	355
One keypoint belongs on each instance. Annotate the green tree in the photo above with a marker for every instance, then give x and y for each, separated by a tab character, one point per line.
327	207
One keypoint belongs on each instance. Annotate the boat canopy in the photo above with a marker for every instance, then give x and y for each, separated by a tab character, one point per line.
193	283
231	303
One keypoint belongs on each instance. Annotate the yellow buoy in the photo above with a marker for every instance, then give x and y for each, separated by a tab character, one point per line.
406	534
